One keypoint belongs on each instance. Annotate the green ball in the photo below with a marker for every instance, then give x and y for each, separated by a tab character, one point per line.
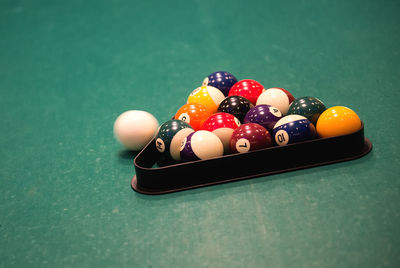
170	136
309	107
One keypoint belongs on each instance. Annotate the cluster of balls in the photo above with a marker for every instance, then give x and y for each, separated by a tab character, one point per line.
226	116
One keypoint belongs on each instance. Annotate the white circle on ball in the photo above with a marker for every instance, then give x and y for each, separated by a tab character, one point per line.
184	117
281	137
242	145
205	81
183	143
160	145
237	121
195	91
275	111
134	129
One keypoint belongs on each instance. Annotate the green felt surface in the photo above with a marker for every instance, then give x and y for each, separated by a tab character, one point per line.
69	68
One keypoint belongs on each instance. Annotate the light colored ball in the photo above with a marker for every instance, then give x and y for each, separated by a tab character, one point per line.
134	129
201	144
277	97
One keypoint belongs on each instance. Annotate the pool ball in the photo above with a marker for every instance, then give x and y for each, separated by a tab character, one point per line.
222	125
293	128
170	136
248	88
235	105
309	107
221	80
199	145
194	114
208	96
278	97
250	137
337	121
134	129
264	115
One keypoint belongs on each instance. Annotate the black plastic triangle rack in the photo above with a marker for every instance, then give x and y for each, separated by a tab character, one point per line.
151	179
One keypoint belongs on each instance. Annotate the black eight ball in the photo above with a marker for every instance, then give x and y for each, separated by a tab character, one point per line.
235	105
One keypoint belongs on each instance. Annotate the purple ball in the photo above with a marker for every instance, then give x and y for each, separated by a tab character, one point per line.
187	154
201	144
264	115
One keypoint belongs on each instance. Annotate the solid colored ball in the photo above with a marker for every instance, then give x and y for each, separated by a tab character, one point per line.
277	97
208	96
309	107
194	114
238	106
170	136
201	144
134	129
293	128
264	115
221	80
222	125
250	137
248	88
338	121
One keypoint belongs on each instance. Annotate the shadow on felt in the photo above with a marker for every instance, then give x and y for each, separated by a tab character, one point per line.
126	156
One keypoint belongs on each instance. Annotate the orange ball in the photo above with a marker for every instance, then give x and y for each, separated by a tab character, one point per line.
195	114
338	121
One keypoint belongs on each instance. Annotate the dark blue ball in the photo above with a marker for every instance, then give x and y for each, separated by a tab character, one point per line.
293	128
221	80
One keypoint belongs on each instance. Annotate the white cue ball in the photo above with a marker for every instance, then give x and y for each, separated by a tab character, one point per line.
134	129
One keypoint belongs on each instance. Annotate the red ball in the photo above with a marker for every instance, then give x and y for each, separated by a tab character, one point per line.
250	137
290	96
250	89
222	125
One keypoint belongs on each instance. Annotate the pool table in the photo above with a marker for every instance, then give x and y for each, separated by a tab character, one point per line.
69	68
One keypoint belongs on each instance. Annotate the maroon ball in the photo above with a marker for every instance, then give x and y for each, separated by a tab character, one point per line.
250	137
264	115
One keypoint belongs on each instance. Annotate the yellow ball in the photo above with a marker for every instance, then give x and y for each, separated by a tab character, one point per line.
208	96
338	121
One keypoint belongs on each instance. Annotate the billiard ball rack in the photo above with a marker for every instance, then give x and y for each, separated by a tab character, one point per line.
151	179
